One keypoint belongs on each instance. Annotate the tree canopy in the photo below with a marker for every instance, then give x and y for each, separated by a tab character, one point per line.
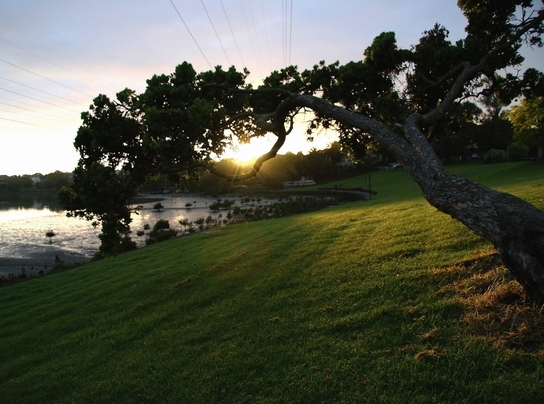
528	121
394	97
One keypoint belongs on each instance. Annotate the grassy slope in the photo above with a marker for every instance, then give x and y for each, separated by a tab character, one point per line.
331	306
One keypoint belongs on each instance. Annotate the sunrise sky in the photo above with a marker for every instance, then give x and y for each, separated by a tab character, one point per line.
57	55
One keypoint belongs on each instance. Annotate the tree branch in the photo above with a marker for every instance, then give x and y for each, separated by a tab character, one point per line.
471	71
256	166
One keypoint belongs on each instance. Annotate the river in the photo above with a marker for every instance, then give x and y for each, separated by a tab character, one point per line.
25	220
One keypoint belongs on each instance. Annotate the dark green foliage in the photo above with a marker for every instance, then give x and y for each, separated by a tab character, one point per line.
122	143
161	232
161	225
101	194
16	183
182	120
54	181
517	151
527	118
493	133
285	207
221	205
433	58
495	156
490	20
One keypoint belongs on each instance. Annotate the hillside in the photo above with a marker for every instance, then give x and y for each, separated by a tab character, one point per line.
364	302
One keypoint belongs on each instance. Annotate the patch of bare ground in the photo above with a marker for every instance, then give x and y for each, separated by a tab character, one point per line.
495	304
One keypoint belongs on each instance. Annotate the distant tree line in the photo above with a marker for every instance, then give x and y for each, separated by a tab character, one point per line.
325	165
48	182
15	183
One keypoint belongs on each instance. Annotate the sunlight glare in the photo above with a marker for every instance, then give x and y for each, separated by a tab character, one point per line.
247	152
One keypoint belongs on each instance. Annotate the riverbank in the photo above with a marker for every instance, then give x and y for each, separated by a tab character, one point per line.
386	301
26	253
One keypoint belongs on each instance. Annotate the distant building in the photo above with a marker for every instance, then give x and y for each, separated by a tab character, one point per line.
35	179
302	183
346	162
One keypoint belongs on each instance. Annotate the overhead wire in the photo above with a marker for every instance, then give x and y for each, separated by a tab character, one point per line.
36	99
290	32
255	30
49	116
232	33
287	22
43	77
283	29
190	33
249	31
38	114
265	26
41	91
214	30
287	18
14	120
47	60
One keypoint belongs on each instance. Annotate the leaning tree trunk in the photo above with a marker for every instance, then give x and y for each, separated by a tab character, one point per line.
512	225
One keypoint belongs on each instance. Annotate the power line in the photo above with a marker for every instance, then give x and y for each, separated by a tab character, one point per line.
190	33
232	33
255	30
13	120
284	28
41	91
290	31
43	77
216	34
26	105
265	31
287	18
47	60
48	116
249	32
35	99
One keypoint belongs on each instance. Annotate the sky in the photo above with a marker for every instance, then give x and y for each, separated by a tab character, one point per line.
56	56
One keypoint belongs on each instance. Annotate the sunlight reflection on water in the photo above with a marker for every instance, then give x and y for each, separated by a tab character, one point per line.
23	243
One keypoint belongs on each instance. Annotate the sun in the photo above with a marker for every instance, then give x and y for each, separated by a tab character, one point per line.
246	152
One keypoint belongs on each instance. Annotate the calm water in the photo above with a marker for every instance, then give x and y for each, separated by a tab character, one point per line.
24	223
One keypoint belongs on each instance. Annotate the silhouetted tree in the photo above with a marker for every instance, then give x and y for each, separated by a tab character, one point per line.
183	119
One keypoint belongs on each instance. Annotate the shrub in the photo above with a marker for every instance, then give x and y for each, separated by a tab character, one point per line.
161	232
517	151
161	225
161	236
185	223
50	234
495	156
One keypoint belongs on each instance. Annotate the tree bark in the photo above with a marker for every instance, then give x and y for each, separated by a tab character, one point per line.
512	225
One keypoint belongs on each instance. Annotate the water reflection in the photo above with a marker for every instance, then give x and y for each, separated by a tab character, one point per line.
24	245
26	219
30	201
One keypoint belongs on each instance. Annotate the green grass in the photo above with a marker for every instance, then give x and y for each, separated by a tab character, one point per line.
334	306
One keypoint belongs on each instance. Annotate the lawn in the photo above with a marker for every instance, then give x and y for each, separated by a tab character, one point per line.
365	302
